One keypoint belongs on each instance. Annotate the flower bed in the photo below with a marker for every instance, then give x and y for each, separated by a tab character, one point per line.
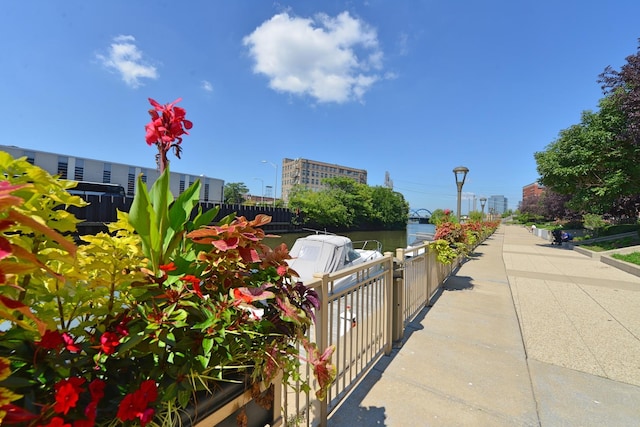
129	327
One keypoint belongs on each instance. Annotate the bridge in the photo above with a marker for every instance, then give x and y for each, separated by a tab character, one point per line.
420	215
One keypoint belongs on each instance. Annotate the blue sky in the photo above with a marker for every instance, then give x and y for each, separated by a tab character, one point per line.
413	88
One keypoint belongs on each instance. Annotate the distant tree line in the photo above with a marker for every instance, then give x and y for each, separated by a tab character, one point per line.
593	167
344	205
348	205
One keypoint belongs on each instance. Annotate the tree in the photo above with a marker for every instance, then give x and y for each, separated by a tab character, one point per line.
234	192
390	209
590	162
318	208
347	204
624	87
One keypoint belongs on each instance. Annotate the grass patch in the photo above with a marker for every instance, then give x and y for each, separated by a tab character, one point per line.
633	257
612	244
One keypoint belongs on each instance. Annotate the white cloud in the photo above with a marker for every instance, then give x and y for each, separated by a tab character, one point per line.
330	59
207	86
125	58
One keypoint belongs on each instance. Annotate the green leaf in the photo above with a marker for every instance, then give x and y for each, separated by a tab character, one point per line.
178	215
131	342
205	218
207	345
139	217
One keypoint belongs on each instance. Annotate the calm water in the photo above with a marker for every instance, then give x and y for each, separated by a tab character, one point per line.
391	240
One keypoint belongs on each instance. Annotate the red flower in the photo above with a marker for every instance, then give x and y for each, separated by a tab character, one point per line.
108	342
96	387
167	125
136	404
168	267
69	344
127	411
121	327
148	391
57	422
146	416
195	282
90	412
84	423
51	340
67	394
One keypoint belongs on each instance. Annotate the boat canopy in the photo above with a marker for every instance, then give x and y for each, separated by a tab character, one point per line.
321	253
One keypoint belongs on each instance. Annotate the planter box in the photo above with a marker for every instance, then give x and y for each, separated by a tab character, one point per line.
222	408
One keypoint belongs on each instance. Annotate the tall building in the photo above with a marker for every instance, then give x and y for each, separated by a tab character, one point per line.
532	190
83	169
310	174
497	204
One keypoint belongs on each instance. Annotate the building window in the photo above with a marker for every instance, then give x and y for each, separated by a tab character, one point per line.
131	181
63	164
181	189
206	192
144	176
106	173
78	173
31	156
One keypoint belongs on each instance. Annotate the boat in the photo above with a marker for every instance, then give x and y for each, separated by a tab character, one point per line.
328	253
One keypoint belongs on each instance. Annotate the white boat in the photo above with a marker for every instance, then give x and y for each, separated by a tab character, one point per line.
328	253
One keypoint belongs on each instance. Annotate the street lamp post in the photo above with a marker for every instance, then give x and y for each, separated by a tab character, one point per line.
461	174
483	201
275	187
261	194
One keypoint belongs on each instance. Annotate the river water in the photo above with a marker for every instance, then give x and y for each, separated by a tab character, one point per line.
391	240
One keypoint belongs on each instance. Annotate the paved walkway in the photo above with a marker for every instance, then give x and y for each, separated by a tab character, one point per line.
525	334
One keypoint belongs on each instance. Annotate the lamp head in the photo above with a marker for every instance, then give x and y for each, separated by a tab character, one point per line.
461	174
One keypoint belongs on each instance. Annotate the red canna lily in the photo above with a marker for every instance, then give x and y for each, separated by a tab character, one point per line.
167	126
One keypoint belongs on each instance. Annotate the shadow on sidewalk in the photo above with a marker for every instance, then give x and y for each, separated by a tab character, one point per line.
351	412
457	283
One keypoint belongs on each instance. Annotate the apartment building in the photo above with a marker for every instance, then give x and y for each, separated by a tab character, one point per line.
533	190
84	169
310	174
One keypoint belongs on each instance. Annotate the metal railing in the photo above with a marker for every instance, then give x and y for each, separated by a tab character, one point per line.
364	309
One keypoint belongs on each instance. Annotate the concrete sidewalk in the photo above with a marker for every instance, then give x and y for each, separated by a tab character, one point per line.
525	334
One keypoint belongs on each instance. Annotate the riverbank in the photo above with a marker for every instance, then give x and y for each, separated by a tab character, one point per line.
390	239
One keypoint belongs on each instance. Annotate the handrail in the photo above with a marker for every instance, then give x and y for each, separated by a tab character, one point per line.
362	319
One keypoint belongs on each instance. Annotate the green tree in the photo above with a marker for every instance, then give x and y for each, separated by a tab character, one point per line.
624	87
347	204
355	197
234	192
589	161
317	208
390	209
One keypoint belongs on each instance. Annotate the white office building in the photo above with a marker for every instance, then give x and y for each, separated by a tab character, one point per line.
83	169
497	205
